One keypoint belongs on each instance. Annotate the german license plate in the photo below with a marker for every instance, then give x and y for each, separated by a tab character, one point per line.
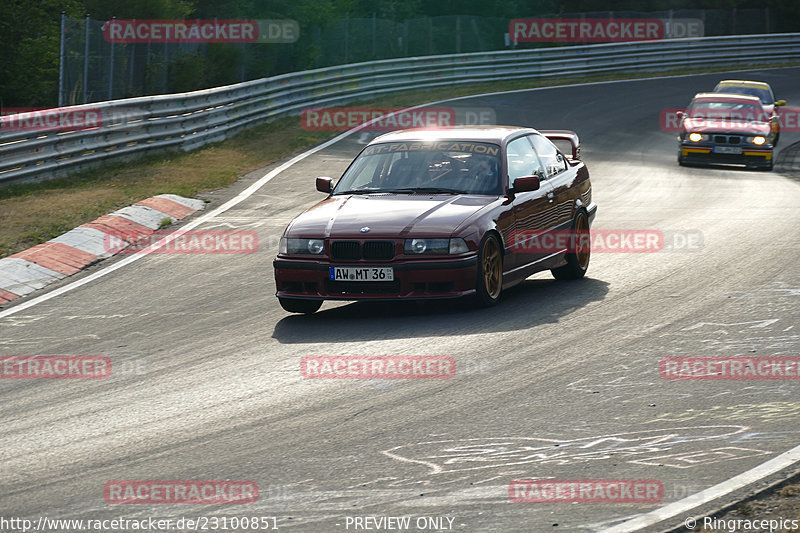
727	149
361	274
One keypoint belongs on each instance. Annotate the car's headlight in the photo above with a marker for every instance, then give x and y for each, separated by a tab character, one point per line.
435	246
757	140
427	246
301	246
697	137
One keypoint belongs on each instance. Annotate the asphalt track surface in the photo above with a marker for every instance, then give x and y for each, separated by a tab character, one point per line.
560	381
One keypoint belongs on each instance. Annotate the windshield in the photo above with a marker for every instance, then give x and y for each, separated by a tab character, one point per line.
425	167
762	94
733	111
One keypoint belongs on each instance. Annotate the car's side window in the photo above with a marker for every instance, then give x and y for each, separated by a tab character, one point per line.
522	160
551	158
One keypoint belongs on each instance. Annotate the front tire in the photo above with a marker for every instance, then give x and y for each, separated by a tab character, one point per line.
300	306
577	261
764	168
489	284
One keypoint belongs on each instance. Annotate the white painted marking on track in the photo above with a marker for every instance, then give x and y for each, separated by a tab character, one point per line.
719	490
756	324
481	454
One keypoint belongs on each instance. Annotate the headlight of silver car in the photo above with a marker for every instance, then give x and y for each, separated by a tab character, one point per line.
435	246
697	137
758	140
301	246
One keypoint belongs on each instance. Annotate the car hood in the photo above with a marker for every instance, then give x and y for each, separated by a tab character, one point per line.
388	215
707	125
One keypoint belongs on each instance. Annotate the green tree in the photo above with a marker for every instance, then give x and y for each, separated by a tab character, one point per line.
138	9
29	47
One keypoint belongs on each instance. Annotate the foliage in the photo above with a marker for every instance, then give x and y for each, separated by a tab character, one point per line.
29	39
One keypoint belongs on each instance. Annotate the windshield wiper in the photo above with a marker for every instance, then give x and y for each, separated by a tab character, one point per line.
359	191
425	190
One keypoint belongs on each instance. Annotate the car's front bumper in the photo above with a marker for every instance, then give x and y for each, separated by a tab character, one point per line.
309	279
708	153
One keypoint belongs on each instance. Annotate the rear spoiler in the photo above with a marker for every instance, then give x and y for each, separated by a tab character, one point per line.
565	135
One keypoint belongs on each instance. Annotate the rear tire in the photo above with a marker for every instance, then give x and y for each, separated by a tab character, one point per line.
577	261
300	306
489	283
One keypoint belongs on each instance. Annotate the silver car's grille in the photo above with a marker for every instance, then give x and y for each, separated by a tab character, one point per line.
728	139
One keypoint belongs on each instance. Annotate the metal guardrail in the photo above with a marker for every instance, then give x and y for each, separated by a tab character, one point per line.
137	126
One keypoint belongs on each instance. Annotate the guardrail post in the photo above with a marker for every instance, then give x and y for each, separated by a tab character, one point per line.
166	67
86	63
61	54
111	72
430	35
374	32
130	70
458	34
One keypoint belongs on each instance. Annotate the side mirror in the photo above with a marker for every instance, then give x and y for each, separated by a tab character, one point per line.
680	114
526	184
780	103
325	184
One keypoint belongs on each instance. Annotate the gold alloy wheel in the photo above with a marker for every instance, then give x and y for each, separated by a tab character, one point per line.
492	268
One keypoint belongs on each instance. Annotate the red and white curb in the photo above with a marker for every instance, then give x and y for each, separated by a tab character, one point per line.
34	268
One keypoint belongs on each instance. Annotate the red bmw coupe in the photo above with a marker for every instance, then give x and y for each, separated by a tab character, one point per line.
423	214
